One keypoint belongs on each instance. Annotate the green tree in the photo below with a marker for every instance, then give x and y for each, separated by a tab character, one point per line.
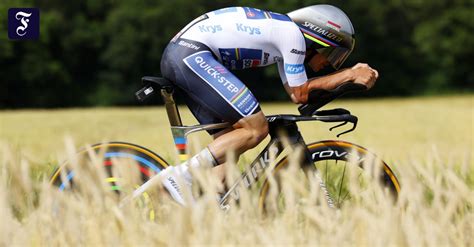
94	52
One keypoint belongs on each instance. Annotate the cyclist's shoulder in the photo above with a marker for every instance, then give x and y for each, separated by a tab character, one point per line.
264	19
250	13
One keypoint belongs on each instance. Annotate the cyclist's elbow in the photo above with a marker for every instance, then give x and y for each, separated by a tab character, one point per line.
299	95
299	99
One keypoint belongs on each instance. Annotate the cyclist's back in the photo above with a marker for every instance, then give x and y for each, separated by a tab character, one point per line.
244	37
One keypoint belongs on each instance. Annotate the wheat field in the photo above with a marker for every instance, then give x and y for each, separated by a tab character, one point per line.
427	141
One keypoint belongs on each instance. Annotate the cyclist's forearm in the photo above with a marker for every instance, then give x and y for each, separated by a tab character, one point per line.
330	81
299	95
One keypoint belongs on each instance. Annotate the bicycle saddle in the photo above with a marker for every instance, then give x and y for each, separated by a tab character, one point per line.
153	84
159	81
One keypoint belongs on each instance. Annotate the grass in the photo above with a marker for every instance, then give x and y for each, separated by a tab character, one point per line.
428	141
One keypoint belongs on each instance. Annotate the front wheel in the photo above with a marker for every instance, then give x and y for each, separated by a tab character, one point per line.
336	165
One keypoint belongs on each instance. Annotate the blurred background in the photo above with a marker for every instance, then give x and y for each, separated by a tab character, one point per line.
93	53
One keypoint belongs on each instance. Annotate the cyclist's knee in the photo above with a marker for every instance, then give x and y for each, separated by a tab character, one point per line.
257	127
261	131
258	134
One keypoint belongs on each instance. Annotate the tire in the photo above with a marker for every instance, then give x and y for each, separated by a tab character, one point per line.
115	154
329	157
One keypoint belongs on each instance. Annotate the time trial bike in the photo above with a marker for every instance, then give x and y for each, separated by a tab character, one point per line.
329	160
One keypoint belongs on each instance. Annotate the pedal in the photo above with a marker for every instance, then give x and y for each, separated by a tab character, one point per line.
144	93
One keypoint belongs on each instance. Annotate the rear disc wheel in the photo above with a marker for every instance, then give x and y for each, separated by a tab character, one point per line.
119	159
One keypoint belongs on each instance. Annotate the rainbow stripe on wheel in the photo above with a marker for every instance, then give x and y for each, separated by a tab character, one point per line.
141	162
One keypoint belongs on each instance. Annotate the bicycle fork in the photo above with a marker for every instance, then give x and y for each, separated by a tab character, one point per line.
296	137
308	161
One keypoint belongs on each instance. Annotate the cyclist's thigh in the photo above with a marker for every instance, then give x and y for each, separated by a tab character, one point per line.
214	93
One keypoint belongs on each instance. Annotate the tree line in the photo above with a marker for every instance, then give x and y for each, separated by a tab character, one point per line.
94	52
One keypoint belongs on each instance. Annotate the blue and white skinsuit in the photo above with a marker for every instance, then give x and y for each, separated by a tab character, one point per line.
199	59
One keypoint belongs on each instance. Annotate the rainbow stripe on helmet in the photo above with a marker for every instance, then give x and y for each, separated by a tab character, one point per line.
317	38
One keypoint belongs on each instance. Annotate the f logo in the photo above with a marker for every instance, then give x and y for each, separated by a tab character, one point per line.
23	23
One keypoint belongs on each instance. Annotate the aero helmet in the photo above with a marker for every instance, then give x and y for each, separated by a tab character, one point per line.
327	30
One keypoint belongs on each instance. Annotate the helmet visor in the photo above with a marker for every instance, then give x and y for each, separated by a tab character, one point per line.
335	55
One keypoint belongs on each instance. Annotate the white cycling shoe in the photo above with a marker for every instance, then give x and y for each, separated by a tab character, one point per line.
178	179
179	189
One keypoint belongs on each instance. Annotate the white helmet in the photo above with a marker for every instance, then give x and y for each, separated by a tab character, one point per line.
327	30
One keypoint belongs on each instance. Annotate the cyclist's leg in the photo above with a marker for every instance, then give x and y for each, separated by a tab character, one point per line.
245	134
214	94
220	170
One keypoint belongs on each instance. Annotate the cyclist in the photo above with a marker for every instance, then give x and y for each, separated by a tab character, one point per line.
199	59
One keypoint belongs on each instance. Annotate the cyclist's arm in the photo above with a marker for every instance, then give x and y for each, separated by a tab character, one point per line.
290	64
330	81
360	73
299	94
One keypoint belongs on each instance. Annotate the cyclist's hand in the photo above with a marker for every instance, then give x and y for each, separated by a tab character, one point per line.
362	73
